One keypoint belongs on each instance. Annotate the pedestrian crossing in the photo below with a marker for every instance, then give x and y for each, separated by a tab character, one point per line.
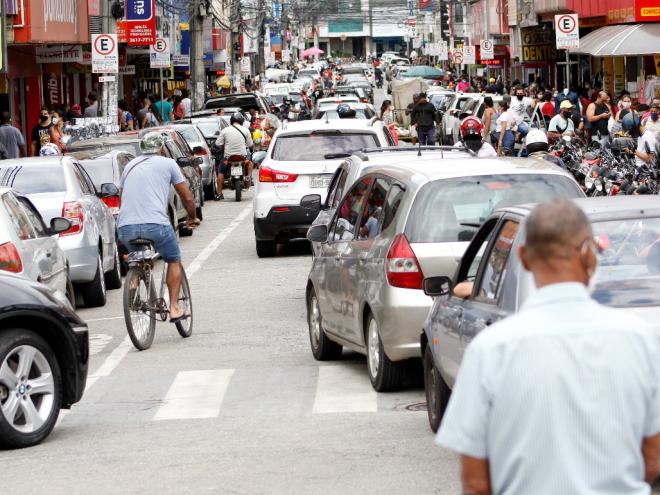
341	388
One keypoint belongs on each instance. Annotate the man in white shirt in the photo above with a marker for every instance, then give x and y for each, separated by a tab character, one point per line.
564	396
236	140
646	148
187	103
520	105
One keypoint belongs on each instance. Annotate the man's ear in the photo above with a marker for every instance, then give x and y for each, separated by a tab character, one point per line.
522	254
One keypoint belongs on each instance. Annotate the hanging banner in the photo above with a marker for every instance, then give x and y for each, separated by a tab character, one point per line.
469	55
140	22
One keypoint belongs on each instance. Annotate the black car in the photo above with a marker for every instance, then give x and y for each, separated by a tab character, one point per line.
44	356
244	101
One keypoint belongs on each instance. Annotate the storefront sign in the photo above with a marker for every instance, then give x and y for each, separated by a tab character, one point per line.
154	74
127	70
54	89
538	45
54	21
105	54
59	54
566	31
647	10
159	54
140	22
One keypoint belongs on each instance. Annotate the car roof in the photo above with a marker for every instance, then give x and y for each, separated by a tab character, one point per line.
332	124
36	161
449	163
608	207
107	140
332	105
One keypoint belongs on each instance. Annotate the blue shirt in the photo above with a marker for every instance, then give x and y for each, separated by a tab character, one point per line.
145	185
165	116
558	397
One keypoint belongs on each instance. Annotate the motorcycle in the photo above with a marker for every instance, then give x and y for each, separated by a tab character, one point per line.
238	175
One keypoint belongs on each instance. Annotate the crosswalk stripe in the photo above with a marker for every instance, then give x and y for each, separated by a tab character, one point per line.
343	389
195	394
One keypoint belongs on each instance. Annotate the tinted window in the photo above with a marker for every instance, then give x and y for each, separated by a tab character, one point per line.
100	170
451	210
34	179
18	218
332	198
349	211
332	114
372	213
495	266
313	146
34	216
392	203
245	102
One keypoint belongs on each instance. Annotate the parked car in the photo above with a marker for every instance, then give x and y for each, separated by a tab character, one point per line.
178	150
59	186
211	128
29	247
200	148
365	86
394	226
301	159
625	227
337	99
362	110
41	336
244	101
458	108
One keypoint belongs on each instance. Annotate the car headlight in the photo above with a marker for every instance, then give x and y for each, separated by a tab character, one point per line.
589	182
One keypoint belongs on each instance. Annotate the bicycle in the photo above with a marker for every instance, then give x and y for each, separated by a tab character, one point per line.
141	305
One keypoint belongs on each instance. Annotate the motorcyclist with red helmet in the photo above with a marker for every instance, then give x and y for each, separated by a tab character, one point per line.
472	138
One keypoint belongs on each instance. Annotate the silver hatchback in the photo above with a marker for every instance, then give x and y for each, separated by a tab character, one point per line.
396	225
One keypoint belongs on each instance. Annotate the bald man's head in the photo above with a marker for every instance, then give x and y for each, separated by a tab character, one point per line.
558	244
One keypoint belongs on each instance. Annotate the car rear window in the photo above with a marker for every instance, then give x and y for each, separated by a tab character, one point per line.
451	210
188	134
33	179
311	147
332	114
246	102
100	170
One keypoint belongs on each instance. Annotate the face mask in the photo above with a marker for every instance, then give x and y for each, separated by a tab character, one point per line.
566	114
43	118
654	116
626	104
520	97
55	120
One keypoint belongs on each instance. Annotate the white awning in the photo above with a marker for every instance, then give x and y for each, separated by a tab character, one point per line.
621	40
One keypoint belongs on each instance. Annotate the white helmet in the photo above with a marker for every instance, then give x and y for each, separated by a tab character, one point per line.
536	140
152	142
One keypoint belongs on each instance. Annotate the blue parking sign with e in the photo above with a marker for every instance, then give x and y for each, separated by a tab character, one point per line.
138	10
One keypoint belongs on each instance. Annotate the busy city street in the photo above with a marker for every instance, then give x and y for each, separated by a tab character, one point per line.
366	246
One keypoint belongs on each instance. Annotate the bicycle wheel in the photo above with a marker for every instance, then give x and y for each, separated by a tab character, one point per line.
139	295
185	327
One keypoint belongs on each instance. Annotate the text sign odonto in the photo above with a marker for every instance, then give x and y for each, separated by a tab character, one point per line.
567	31
105	54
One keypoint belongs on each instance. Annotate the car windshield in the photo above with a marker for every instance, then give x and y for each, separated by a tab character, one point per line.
314	146
100	170
451	210
441	102
209	129
188	134
332	114
629	266
33	179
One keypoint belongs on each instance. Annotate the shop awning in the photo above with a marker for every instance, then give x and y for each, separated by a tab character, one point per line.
621	40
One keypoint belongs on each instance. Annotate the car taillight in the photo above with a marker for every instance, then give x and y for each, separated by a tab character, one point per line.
201	151
73	211
10	260
402	267
267	174
113	203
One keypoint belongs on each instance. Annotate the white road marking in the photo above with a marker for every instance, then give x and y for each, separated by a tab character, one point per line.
195	394
342	389
215	243
97	343
105	319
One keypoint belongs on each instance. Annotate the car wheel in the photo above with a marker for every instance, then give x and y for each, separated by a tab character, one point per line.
385	375
70	292
266	249
323	348
211	190
437	391
30	389
113	277
94	292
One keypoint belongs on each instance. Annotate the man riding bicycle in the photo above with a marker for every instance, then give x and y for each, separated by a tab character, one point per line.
145	186
235	139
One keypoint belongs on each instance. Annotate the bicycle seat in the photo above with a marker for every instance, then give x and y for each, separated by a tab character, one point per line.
141	242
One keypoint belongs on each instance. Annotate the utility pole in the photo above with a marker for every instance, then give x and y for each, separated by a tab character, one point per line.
197	71
109	90
261	33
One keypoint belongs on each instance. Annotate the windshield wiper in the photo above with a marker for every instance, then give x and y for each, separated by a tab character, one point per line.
330	156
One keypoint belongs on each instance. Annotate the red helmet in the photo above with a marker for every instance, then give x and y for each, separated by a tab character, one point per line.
471	127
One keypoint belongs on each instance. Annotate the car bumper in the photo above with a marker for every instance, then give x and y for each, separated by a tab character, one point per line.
283	223
401	316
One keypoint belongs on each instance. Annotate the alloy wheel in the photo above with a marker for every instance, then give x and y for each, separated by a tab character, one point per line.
314	321
373	345
30	389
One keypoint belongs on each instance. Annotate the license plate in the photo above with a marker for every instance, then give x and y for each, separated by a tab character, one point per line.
320	181
237	171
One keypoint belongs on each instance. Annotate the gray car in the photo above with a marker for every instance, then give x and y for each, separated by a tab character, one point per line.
59	186
394	226
627	228
200	147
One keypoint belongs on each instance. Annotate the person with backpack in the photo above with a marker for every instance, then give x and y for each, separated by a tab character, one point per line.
234	141
562	122
147	114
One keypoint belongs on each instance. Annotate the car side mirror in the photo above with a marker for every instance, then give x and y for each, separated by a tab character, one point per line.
318	233
198	160
59	224
183	162
108	189
437	286
311	202
258	157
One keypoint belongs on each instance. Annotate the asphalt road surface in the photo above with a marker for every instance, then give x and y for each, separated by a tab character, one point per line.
241	406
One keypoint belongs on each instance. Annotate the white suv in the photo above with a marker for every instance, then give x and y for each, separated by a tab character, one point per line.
301	160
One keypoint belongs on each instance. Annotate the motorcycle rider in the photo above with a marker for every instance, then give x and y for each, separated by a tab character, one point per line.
536	143
562	122
235	141
472	138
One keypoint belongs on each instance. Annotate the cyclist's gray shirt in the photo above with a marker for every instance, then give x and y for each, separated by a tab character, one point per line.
146	190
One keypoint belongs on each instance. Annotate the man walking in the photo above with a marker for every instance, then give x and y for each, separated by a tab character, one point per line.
11	138
424	115
563	396
92	109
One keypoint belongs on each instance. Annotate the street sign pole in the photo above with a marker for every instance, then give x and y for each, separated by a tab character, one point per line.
162	98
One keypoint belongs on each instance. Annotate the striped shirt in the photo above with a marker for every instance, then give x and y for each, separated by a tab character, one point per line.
558	397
